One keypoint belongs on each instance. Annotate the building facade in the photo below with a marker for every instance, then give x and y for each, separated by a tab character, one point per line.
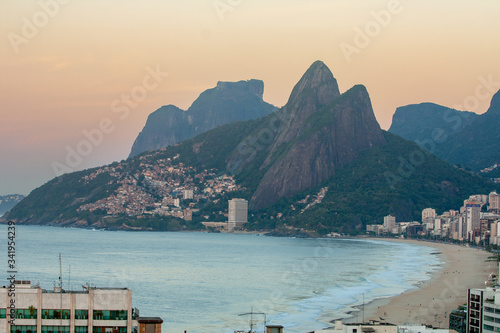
237	213
389	223
483	310
92	310
472	217
494	200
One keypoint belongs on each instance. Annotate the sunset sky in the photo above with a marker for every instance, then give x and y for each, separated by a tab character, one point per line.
66	64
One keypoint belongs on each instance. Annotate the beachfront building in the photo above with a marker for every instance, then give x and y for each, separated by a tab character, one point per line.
92	310
458	319
494	200
379	327
472	218
483	310
371	327
390	224
428	215
237	213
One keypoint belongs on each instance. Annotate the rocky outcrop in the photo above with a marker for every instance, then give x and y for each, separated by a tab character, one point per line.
226	103
426	121
477	145
458	137
325	130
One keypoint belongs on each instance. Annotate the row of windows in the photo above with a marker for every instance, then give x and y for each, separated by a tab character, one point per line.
491	328
55	329
109	329
492	319
55	314
65	314
491	310
65	329
22	329
110	315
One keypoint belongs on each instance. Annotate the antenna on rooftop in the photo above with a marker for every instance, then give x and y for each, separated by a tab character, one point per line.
60	272
251	313
363	308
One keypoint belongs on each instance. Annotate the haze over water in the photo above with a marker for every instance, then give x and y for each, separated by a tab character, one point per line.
201	282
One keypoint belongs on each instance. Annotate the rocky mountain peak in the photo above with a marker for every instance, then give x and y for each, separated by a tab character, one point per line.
319	80
252	86
495	104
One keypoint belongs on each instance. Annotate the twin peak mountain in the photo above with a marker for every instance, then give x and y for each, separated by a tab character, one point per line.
291	149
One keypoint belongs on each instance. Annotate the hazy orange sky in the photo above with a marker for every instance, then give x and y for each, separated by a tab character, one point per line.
65	64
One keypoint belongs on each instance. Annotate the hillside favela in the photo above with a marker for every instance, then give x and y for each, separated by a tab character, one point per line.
250	166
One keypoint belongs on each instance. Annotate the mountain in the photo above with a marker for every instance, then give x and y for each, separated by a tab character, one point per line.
325	131
7	202
458	137
477	145
428	121
226	103
320	163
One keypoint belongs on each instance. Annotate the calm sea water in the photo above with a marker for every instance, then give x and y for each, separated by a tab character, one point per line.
203	282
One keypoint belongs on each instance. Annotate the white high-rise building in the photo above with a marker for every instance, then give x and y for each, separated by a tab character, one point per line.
438	224
494	200
92	310
188	194
389	223
472	216
428	215
237	213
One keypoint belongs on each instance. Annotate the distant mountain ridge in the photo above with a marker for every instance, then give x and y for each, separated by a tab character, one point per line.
226	103
320	163
458	137
7	202
424	121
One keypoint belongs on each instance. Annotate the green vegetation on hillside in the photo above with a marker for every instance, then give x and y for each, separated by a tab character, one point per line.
391	179
59	198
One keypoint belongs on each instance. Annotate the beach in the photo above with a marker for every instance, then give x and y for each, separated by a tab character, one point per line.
432	302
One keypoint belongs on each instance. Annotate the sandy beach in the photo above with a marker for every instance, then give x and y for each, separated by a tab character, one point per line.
432	302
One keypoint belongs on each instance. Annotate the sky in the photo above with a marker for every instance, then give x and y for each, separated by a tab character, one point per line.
79	78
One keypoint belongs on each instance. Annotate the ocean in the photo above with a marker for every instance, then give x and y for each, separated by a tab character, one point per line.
208	282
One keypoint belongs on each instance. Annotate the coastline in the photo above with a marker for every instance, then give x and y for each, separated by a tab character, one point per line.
432	301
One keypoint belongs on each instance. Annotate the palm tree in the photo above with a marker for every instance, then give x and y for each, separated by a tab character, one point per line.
32	310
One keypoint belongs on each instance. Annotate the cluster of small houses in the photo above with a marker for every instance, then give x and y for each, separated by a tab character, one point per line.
178	187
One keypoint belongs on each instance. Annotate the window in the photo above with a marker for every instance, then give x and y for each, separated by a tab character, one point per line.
110	315
26	313
55	314
22	329
55	329
3	313
82	314
81	329
488	318
104	329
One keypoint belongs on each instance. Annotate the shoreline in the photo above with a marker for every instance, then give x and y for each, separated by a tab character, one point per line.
431	301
